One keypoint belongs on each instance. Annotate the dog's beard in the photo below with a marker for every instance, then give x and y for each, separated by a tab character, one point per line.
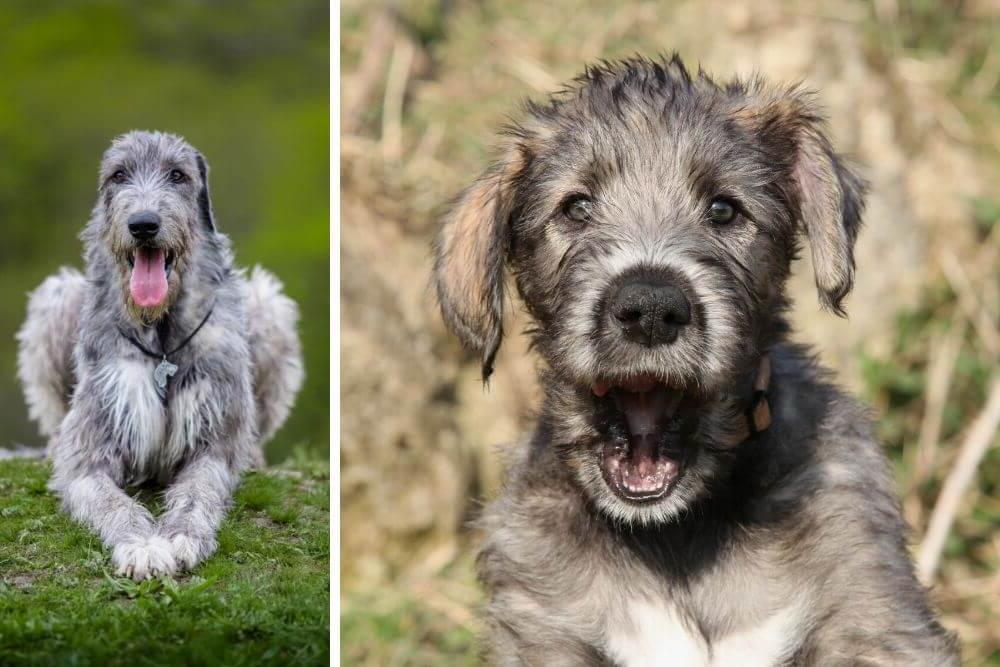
149	273
642	449
644	428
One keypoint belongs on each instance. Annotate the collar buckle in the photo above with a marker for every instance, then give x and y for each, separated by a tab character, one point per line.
758	413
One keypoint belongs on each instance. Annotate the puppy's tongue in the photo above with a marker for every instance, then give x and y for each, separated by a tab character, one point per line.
148	284
645	471
645	410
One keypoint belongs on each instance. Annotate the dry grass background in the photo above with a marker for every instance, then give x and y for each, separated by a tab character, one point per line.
912	89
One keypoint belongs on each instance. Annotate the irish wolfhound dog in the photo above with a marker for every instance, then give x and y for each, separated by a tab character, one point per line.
163	364
697	491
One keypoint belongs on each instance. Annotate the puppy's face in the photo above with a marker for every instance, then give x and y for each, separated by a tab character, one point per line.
153	203
649	221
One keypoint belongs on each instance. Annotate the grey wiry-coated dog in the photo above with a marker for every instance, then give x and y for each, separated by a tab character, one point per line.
163	363
697	491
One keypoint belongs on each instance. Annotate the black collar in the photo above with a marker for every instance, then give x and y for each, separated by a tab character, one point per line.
164	354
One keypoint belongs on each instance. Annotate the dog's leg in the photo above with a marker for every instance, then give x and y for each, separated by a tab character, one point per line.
125	526
196	503
275	350
88	473
222	447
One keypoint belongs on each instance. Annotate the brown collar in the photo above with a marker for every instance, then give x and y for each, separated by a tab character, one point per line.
758	412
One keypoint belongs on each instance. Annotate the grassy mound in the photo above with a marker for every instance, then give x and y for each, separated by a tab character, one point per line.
263	598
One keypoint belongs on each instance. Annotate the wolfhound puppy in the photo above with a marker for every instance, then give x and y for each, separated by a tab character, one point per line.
162	364
697	491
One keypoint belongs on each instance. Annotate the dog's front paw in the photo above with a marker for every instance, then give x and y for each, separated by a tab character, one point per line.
144	558
188	550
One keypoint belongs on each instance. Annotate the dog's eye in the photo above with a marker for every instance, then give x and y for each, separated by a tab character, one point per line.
578	208
119	176
177	176
721	211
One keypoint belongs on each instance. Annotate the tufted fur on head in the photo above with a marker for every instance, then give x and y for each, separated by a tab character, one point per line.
781	129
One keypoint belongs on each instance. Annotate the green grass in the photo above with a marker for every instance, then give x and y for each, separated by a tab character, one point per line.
262	599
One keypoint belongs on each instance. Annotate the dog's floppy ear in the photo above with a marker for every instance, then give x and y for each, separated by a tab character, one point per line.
827	193
204	199
470	256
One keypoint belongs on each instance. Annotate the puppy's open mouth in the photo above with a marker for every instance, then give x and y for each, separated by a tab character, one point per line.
150	271
641	460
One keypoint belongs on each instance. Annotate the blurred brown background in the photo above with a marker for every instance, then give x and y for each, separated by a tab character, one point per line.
912	89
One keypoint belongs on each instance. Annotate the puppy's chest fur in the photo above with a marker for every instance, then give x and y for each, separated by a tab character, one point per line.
660	632
741	609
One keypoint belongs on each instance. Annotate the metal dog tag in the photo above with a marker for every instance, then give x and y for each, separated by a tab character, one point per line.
164	371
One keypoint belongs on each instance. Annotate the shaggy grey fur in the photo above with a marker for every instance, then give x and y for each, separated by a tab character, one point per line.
788	548
92	393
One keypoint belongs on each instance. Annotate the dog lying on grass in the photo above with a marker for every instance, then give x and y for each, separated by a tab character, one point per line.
696	491
162	363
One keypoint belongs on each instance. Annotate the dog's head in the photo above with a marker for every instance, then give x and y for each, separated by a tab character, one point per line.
153	205
649	219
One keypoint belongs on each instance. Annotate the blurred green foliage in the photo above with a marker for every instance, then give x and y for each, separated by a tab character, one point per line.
245	82
897	384
392	627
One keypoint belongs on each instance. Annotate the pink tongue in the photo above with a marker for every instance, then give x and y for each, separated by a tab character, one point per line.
644	411
646	471
148	284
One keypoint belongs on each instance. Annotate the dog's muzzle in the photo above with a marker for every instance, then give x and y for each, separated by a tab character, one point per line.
149	263
641	405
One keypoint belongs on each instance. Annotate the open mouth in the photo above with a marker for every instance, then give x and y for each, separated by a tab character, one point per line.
641	461
150	271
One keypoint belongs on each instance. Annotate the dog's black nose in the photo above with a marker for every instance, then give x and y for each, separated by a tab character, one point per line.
143	225
650	311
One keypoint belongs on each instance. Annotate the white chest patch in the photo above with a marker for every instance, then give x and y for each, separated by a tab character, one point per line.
137	417
657	634
155	435
770	642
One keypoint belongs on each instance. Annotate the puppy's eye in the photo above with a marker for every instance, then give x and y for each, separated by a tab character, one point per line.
119	176
177	176
578	208
722	211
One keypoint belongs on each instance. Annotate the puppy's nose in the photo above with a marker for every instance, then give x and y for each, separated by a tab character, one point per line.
143	225
650	312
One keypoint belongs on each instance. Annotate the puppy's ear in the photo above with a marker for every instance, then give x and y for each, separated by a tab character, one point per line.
827	193
204	199
471	252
